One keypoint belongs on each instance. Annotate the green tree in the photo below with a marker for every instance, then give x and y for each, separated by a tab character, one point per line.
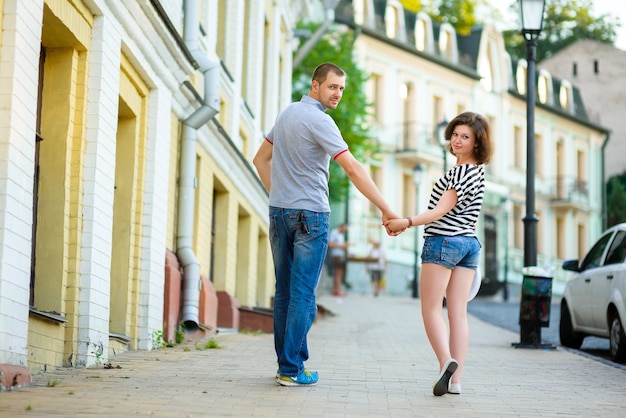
461	14
352	113
565	22
616	199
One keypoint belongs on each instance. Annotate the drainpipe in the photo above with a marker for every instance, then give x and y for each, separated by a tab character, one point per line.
308	46
605	214
209	67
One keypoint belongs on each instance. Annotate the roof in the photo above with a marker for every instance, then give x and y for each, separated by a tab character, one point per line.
468	53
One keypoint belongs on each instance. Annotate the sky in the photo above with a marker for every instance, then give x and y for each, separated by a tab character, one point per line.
600	7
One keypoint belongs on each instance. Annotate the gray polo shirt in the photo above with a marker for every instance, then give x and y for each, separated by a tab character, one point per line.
304	139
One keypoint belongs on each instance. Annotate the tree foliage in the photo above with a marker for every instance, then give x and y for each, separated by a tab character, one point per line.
460	14
616	199
565	22
411	5
352	113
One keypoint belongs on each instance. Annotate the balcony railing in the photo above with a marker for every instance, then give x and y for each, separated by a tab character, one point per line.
570	190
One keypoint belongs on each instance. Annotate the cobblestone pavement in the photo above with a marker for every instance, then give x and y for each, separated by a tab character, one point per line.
373	358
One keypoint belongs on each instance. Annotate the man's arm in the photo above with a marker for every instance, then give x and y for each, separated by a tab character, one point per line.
364	183
263	163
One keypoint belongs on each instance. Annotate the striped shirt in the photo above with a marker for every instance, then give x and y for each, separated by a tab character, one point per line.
469	182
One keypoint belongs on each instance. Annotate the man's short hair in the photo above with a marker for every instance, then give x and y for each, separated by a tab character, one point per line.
322	70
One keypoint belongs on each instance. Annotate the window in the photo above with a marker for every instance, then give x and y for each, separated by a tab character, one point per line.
408	194
539	156
544	87
617	251
394	21
221	44
438	115
581	173
376	96
423	33
560	160
447	42
247	45
359	12
561	238
488	69
444	43
245	142
265	87
566	97
408	138
594	258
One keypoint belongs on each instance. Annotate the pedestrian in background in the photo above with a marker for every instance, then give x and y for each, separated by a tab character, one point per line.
451	249
293	164
338	253
377	268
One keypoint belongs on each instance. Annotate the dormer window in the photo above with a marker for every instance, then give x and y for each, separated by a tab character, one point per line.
566	96
394	21
420	35
364	13
447	42
544	87
423	33
359	11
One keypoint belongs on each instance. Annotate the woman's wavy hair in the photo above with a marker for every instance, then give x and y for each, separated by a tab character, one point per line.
483	147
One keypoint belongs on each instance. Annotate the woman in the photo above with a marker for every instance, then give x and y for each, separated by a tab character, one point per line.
451	249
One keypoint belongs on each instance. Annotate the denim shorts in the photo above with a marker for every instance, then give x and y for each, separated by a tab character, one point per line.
451	252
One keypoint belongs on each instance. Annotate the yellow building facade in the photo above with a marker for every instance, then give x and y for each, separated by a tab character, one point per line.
128	130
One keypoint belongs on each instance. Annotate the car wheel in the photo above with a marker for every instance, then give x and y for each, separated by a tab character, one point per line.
569	338
618	340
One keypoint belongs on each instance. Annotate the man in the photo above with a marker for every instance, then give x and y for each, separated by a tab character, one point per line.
338	249
377	268
293	165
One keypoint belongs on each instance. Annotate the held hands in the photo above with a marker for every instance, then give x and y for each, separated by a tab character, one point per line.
396	226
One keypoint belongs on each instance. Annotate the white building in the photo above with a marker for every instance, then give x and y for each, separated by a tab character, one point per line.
423	74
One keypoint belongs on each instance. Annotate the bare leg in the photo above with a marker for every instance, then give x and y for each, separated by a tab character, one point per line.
337	277
457	293
433	282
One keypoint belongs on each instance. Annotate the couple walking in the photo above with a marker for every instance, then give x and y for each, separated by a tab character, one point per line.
293	164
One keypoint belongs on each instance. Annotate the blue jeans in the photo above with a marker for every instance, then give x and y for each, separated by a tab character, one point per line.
299	240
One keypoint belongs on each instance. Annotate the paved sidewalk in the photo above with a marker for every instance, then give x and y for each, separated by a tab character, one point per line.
373	359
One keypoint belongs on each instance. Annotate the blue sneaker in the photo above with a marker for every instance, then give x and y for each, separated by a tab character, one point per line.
306	378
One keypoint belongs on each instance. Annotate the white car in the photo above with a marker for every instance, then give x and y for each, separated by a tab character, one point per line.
594	300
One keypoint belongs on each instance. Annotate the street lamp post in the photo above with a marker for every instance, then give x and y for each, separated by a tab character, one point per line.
532	20
418	172
441	137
